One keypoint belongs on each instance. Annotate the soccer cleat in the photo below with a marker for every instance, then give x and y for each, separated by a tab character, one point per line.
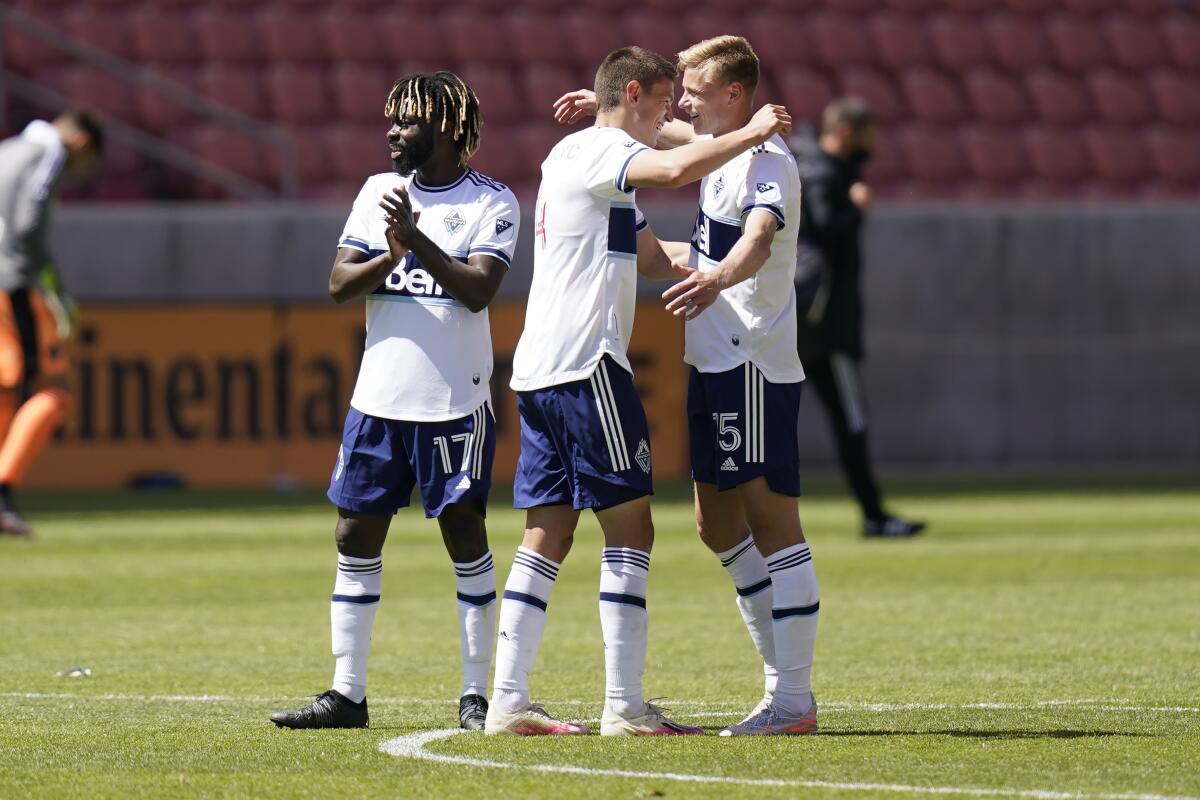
532	720
891	527
651	722
472	712
768	723
762	706
12	524
331	709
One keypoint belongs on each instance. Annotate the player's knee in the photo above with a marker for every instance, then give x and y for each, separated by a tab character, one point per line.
463	532
359	537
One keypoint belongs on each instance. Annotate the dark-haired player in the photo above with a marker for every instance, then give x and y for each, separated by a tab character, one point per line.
428	246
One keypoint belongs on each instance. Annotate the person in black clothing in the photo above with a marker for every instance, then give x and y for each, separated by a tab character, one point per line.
833	203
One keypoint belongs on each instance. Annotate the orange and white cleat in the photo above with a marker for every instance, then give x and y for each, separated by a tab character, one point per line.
532	720
651	722
769	723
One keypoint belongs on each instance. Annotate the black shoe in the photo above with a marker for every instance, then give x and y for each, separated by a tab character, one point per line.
12	524
472	712
891	528
330	710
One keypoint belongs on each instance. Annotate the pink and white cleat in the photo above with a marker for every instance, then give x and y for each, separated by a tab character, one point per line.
651	722
532	720
769	723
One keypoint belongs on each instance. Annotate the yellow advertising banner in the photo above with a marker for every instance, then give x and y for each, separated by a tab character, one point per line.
254	395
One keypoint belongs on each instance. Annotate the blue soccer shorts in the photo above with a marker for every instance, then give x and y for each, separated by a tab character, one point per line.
583	443
741	426
381	460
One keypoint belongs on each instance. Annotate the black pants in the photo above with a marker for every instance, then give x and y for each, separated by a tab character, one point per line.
835	378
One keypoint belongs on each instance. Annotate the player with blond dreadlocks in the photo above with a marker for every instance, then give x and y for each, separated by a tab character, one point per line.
427	245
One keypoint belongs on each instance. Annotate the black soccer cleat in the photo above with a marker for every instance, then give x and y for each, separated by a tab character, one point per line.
331	709
891	528
472	712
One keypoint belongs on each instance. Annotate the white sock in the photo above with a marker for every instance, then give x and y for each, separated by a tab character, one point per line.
522	621
797	601
352	615
624	622
748	569
475	583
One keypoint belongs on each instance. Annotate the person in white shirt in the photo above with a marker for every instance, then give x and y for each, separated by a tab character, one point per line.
745	377
584	441
428	245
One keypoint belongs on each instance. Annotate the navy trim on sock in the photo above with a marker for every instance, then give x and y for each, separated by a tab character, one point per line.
628	599
477	599
528	599
359	599
750	591
797	611
725	562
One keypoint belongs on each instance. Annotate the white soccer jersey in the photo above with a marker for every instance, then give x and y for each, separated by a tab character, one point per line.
428	358
755	320
581	302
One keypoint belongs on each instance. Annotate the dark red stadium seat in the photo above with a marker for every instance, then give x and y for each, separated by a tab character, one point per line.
356	151
239	87
162	36
900	41
1056	97
959	41
1117	98
297	94
234	151
805	92
932	97
995	155
96	90
840	39
933	155
160	113
536	140
1056	154
887	164
1175	156
310	148
536	38
359	92
416	37
995	97
656	30
873	88
1149	8
541	86
1077	43
99	28
1117	156
1134	43
780	39
592	35
1030	7
468	36
1019	44
1094	7
289	35
225	35
1176	97
500	102
1182	36
912	6
351	35
27	54
971	6
705	24
500	159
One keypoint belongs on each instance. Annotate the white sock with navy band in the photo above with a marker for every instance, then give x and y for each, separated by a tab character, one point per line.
522	621
624	623
475	584
748	569
795	612
352	615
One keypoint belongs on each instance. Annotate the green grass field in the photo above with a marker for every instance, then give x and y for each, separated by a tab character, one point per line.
1040	642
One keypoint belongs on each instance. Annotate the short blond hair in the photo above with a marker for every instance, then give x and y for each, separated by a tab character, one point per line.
731	57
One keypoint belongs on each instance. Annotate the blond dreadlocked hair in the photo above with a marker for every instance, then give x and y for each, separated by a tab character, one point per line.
440	98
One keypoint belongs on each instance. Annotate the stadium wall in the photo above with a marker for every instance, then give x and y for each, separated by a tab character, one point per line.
996	335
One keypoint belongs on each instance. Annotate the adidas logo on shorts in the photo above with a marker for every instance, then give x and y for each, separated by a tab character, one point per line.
729	466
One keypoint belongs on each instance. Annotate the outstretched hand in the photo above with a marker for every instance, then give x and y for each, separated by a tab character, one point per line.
401	221
696	292
574	106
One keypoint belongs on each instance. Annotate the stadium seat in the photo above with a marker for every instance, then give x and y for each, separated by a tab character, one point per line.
473	37
995	97
705	24
1117	98
1177	98
932	97
1182	36
780	40
592	36
912	6
657	30
238	87
887	164
1149	8
29	55
971	6
1056	97
310	147
100	29
297	94
351	35
359	92
232	150
1093	7
288	35
840	40
421	33
959	42
541	86
933	155
99	91
357	151
162	37
900	41
1030	7
160	113
1019	44
499	159
1133	43
1056	155
1118	157
536	38
995	156
1175	157
873	88
805	92
225	36
1077	43
500	100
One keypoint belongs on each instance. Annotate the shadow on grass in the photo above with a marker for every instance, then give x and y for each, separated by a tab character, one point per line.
1063	733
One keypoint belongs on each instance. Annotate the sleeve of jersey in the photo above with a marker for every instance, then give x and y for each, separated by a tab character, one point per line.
496	235
357	231
639	219
762	188
609	171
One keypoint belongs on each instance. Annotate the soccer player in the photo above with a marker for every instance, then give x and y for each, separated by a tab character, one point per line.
428	246
745	376
36	315
584	441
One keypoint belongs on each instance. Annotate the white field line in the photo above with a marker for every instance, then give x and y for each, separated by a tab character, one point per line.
413	746
700	709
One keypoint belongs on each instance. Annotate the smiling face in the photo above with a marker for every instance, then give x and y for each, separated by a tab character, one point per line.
410	143
708	104
651	109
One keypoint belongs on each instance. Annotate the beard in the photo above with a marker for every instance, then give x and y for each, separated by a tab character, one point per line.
415	155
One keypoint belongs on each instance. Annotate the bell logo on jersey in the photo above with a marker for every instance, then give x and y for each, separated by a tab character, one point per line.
411	279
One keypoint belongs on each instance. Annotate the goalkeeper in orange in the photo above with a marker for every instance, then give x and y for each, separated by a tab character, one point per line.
36	315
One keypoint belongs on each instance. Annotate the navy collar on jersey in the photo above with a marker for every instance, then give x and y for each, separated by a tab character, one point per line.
448	186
